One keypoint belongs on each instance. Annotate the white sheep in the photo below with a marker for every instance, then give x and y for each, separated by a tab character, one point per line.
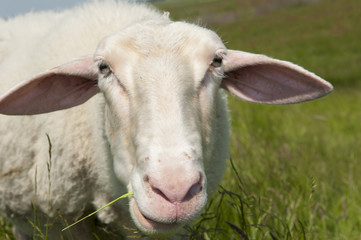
150	116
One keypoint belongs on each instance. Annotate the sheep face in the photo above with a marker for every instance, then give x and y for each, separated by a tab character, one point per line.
160	87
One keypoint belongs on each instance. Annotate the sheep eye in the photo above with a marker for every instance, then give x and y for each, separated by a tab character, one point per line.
217	62
104	69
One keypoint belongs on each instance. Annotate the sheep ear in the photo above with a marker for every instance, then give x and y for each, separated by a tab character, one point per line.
260	79
62	87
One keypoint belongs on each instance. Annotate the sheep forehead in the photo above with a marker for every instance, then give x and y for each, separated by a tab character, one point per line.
160	38
175	37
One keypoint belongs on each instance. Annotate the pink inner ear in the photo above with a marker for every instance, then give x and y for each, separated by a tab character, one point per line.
60	88
260	79
273	84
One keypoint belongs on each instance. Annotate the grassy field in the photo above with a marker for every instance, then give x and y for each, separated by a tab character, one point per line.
295	172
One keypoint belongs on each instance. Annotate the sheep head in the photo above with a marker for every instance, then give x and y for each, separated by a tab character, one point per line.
160	88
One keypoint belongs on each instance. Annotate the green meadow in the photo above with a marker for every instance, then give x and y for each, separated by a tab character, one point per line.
294	171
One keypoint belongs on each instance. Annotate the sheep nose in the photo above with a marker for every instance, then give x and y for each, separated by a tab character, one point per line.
177	188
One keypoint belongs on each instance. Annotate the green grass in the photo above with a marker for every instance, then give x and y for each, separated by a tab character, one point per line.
5	230
296	169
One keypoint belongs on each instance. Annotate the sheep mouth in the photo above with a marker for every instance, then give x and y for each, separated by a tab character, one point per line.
150	226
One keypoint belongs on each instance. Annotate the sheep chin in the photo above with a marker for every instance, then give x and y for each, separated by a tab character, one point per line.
150	227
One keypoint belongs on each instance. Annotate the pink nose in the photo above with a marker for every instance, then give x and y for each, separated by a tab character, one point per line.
176	188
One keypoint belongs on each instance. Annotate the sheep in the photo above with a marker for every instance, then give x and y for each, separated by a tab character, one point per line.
131	101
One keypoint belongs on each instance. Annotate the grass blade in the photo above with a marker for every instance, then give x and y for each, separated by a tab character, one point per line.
123	196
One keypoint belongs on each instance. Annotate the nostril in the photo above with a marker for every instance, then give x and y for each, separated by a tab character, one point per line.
153	188
195	189
160	193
